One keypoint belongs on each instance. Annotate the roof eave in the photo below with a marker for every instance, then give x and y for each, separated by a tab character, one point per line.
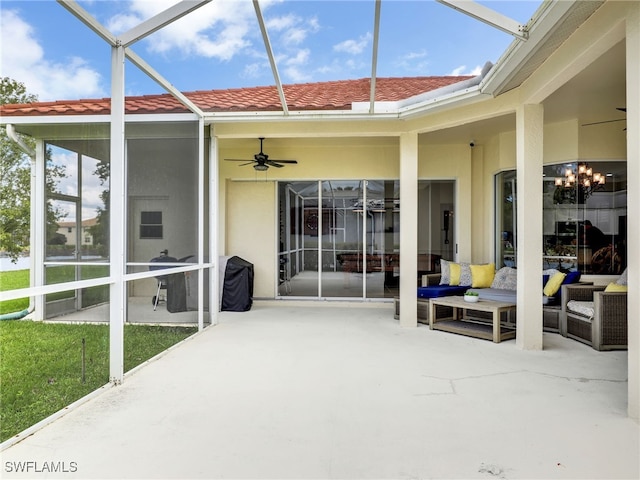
299	115
458	98
544	23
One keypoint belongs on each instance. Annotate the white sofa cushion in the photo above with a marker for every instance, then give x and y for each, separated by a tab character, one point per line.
583	308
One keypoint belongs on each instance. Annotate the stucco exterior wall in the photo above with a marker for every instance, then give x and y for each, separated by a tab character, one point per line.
251	230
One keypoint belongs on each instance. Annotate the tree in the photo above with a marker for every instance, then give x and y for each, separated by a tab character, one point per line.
15	180
100	231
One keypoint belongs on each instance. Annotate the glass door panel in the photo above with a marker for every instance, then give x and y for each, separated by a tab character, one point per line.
341	224
299	224
506	219
382	248
436	225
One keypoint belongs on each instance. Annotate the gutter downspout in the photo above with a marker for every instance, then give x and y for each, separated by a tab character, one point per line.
11	133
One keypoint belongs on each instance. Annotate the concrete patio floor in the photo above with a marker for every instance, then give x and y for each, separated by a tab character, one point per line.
293	391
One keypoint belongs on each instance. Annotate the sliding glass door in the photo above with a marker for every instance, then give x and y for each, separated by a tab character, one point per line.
341	238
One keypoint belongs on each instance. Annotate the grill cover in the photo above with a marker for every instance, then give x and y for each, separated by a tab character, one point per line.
236	285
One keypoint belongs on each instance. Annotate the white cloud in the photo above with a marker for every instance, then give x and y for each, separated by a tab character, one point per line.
412	56
462	70
282	23
219	29
413	62
253	70
223	30
297	74
122	22
354	47
300	58
23	59
294	36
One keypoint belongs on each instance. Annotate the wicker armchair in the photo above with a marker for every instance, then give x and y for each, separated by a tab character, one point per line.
607	330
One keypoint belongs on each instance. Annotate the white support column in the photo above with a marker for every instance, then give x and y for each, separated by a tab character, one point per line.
408	229
38	226
117	210
633	218
201	211
529	155
214	280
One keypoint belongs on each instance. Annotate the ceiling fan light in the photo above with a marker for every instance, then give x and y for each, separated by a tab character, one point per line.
260	167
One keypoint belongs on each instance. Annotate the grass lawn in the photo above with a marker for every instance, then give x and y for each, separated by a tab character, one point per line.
41	365
15	279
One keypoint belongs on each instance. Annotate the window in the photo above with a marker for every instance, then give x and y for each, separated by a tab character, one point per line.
505	187
151	225
584	223
570	211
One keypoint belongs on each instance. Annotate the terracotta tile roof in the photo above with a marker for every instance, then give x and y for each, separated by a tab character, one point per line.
336	95
90	222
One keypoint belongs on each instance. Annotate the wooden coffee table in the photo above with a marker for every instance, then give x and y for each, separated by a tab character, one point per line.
462	322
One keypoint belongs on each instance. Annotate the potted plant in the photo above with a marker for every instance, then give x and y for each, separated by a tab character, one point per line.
470	296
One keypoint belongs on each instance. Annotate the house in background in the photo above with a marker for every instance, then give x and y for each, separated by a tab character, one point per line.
390	175
70	231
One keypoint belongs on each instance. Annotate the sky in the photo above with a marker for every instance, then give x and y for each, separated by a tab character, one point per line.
220	46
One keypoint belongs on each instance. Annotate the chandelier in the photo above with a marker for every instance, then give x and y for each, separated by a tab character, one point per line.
585	179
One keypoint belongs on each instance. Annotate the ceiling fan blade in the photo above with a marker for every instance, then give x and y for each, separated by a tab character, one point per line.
604	121
622	109
284	161
237	160
273	163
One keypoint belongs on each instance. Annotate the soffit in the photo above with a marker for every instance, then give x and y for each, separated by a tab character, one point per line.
562	30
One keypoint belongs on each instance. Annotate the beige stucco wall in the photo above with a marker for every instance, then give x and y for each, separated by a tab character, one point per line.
452	162
250	230
607	141
249	196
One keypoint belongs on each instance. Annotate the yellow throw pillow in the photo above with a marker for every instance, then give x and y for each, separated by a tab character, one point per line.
454	273
482	275
553	284
614	287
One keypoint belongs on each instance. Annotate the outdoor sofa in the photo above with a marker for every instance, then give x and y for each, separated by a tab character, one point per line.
501	286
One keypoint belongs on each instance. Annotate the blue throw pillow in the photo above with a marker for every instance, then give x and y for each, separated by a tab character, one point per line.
572	277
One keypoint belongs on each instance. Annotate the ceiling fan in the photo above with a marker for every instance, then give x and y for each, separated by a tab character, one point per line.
261	160
622	109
